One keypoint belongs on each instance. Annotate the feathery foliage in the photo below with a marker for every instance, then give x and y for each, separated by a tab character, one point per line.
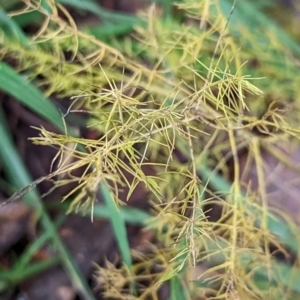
185	99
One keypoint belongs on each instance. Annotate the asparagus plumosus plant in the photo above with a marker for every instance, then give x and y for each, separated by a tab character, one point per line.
184	99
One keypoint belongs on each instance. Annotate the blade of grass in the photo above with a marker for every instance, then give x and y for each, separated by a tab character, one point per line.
130	215
15	276
11	28
9	4
119	229
30	18
177	290
15	85
105	15
247	12
27	255
13	166
118	225
17	174
103	32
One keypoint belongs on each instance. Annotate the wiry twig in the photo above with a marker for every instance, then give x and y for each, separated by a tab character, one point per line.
20	193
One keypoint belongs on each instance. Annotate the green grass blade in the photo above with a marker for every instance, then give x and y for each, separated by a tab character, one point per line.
15	276
14	84
107	16
104	32
37	244
13	166
30	18
11	29
120	232
130	215
247	13
118	225
177	291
